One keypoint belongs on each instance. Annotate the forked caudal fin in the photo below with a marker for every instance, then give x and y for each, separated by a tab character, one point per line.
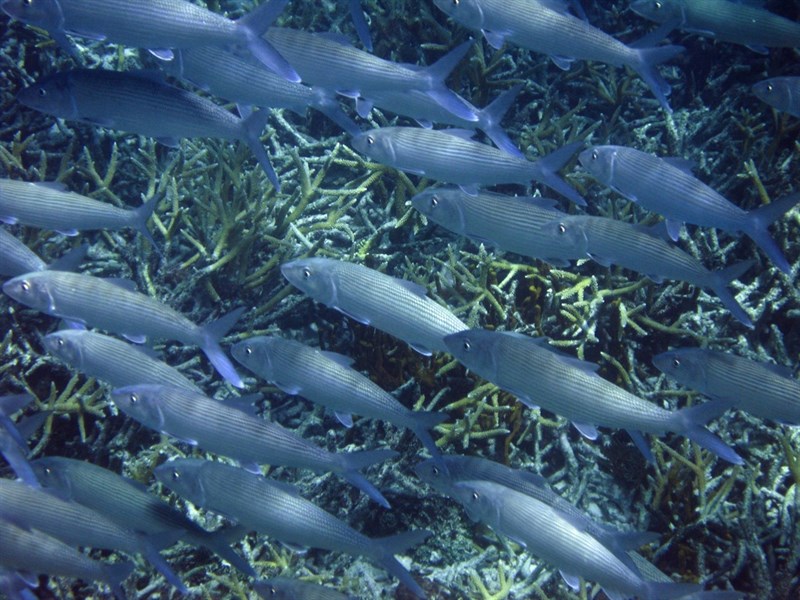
396	544
439	92
212	333
252	126
253	25
760	219
691	423
719	285
355	461
489	119
544	171
649	59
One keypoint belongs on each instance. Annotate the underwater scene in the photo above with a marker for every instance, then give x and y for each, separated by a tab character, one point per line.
447	299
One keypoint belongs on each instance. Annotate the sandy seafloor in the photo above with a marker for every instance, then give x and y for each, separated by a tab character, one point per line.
223	232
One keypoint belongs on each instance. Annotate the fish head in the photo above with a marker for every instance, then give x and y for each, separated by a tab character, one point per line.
468	13
52	474
51	95
435	473
684	365
599	161
659	11
142	402
376	144
278	589
183	476
256	354
32	290
314	277
481	499
567	234
42	13
774	92
476	350
443	206
65	345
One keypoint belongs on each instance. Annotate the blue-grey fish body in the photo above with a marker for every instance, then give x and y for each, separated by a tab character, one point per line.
126	502
76	525
449	156
426	111
16	258
549	534
32	551
271	509
511	223
283	588
111	360
104	304
547	27
336	65
158	25
228	75
609	241
13	445
724	20
142	102
48	205
395	306
223	429
540	376
781	93
661	186
327	379
762	389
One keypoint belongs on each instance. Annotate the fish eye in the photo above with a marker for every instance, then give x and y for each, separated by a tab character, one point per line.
676	362
248	350
456	2
25	286
273	590
48	471
658	5
770	87
42	92
60	342
133	398
476	496
434	201
370	140
467	345
306	272
562	228
435	470
176	475
594	154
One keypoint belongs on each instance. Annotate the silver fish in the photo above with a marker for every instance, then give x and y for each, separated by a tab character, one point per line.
336	65
724	20
77	525
781	93
107	305
226	430
13	445
158	25
547	27
48	205
396	306
17	259
327	378
142	102
762	389
111	360
547	533
32	551
510	223
283	588
448	155
541	376
124	501
272	509
670	189
227	75
608	241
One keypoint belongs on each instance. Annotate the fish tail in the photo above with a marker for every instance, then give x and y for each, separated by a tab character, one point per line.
355	461
719	285
489	119
71	260
690	422
440	93
362	29
212	333
545	171
253	126
648	59
115	574
142	216
155	559
325	103
760	219
218	544
667	591
397	544
421	423
254	25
